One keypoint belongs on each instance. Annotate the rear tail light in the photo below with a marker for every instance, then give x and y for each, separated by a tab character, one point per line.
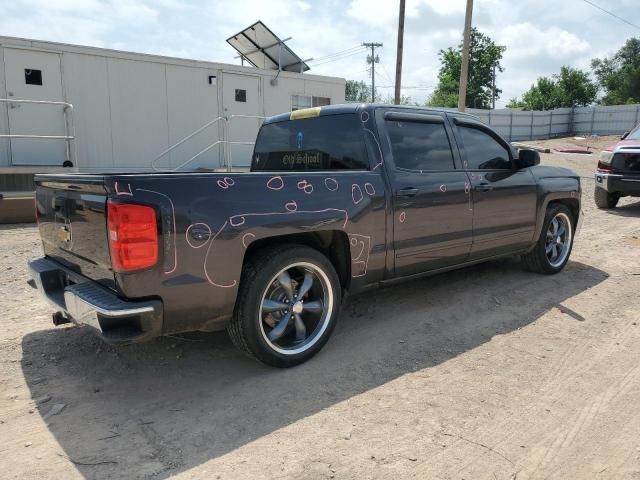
133	236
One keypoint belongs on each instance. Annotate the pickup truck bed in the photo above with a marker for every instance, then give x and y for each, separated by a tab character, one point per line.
210	237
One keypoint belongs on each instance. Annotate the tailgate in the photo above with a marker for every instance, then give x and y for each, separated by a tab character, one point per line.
72	222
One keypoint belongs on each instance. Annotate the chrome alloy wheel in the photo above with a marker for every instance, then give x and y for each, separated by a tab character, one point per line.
296	308
558	241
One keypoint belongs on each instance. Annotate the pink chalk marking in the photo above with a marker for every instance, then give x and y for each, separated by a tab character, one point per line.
247	238
186	234
359	259
379	149
291	206
237	220
275	183
467	187
226	182
305	186
402	217
206	274
331	184
369	188
128	192
443	188
356	194
173	218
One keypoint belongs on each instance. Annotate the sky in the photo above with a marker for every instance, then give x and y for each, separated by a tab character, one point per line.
540	36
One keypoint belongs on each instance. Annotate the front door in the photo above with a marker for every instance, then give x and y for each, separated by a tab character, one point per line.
241	99
432	216
504	198
34	75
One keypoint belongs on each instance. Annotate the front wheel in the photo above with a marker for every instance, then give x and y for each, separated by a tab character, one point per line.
287	305
553	248
605	200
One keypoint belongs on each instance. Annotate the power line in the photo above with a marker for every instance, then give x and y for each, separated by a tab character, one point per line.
341	57
612	14
341	52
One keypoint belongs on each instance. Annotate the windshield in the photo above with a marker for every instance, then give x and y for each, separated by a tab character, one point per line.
634	135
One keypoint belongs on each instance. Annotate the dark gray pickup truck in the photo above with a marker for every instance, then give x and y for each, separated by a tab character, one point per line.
339	199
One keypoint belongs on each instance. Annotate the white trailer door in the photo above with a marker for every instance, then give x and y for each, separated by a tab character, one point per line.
241	95
35	75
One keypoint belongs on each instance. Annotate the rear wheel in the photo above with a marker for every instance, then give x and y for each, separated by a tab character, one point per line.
287	305
553	248
604	199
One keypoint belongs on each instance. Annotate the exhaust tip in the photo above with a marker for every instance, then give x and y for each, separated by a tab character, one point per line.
59	319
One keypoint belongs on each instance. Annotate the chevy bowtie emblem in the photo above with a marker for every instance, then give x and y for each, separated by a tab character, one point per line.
64	234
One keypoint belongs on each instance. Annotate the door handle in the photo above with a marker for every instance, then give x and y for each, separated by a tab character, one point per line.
483	187
407	192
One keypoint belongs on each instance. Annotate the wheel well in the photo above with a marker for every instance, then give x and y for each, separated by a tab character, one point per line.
572	204
334	244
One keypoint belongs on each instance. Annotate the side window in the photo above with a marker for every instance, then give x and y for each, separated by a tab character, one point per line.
420	146
327	142
482	151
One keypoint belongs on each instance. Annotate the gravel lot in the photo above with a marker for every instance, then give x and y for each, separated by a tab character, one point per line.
488	372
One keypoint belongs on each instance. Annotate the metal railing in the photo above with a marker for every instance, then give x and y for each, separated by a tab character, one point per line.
226	153
69	127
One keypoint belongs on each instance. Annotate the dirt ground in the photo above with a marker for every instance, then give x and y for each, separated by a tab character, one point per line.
487	372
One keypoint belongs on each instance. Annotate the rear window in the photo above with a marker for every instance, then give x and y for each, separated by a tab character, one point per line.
331	142
420	146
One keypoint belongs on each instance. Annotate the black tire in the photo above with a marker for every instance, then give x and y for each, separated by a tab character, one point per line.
247	328
537	260
605	200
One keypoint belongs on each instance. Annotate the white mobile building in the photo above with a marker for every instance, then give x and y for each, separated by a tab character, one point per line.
106	110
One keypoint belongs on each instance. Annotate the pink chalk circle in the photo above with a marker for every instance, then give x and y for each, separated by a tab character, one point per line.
275	183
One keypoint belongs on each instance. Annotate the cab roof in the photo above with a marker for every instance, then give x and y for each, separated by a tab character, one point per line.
343	108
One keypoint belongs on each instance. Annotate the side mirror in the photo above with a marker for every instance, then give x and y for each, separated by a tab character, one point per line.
624	135
527	158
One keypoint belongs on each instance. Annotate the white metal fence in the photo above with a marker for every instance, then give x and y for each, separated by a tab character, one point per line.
516	125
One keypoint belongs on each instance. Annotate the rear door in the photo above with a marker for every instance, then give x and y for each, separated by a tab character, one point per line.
432	216
34	75
504	198
242	103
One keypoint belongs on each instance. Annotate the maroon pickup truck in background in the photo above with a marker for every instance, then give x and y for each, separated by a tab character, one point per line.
618	173
339	199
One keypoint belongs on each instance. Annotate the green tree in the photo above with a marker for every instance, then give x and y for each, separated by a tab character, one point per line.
484	55
619	76
570	88
515	102
357	91
404	100
575	88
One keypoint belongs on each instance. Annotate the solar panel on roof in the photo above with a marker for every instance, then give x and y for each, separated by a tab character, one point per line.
263	49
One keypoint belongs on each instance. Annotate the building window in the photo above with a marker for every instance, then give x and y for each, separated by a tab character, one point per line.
241	95
306	101
32	77
320	101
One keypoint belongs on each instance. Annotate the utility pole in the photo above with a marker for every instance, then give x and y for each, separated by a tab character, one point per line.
493	87
372	59
399	52
464	68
